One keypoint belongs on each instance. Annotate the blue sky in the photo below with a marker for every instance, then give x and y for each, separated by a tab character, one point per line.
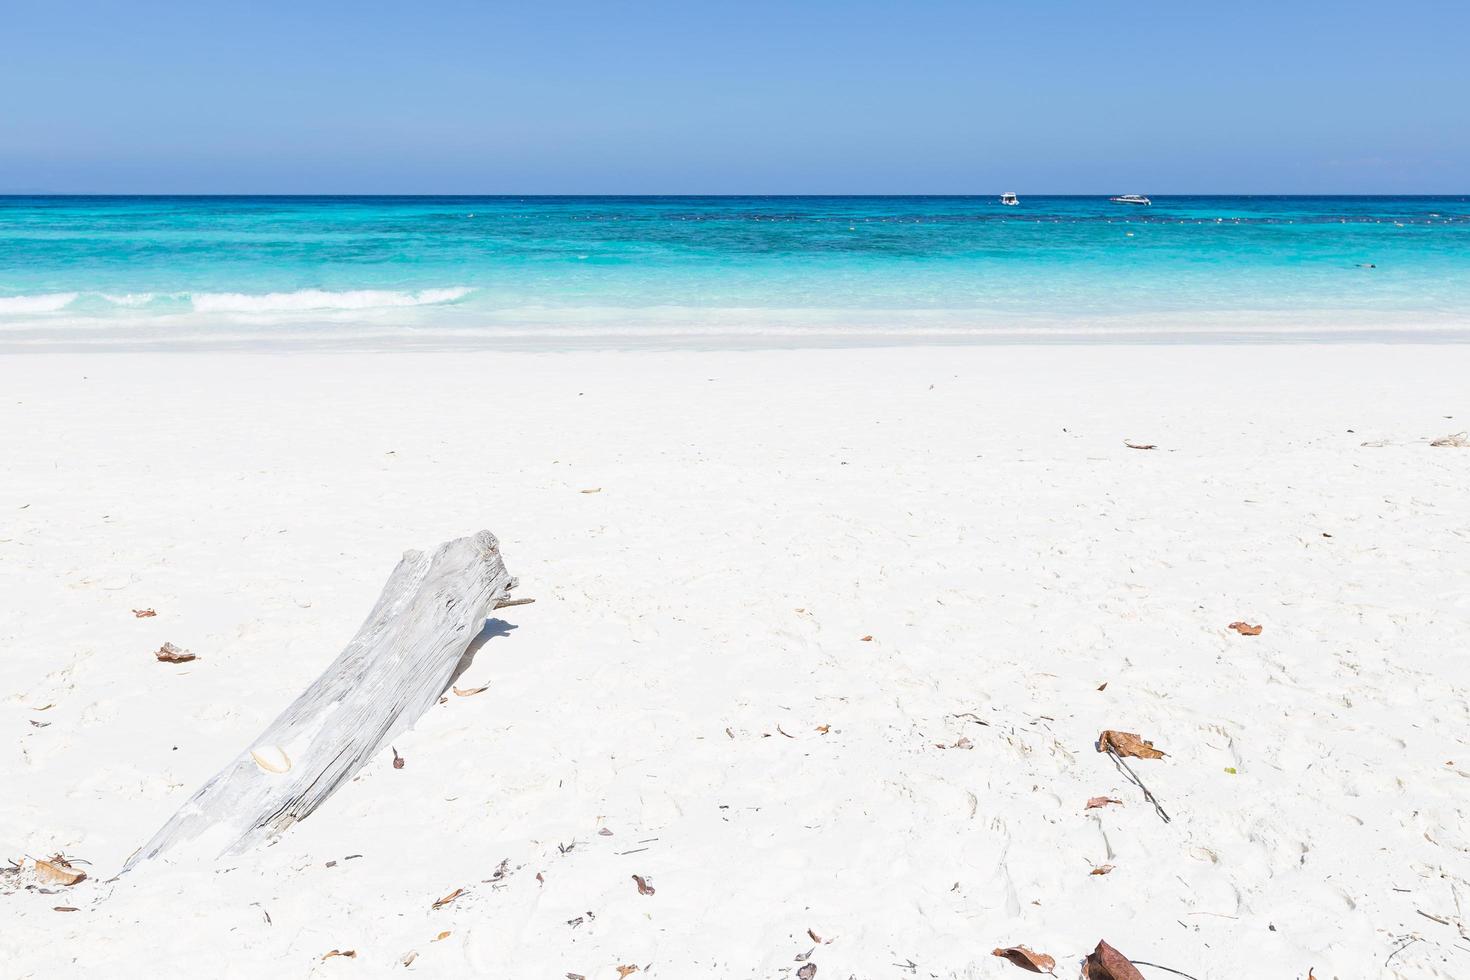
557	96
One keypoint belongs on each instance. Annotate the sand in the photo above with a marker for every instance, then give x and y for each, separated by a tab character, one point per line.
828	650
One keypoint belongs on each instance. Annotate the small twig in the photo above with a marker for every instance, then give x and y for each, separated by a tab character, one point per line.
502	603
1407	943
1433	918
1157	967
1118	761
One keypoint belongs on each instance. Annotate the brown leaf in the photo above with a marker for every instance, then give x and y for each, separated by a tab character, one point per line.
575	976
807	972
868	638
1026	959
623	971
1101	869
65	908
1127	744
351	954
170	654
58	872
442	936
604	832
144	613
1139	445
816	938
644	888
449	898
472	691
397	759
1106	963
1103	686
1246	629
593	490
1098	801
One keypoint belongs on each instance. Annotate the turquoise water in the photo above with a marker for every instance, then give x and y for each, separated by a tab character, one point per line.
555	272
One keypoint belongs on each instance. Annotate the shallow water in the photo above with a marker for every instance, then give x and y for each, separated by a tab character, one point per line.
754	271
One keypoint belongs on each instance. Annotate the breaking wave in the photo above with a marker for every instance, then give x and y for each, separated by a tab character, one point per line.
44	303
321	299
299	301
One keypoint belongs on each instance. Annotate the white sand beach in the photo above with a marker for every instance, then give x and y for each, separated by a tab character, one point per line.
823	659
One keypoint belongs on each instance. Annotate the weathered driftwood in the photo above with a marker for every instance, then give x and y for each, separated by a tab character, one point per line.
399	663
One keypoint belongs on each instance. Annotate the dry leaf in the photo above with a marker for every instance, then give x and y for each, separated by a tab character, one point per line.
65	908
409	957
1098	801
58	872
824	729
644	888
397	759
1139	445
1026	959
623	971
593	490
1106	963
1246	629
1460	440
1103	686
442	936
144	613
1127	744
868	638
575	976
170	654
807	972
604	832
351	954
449	898
816	938
1101	869
471	692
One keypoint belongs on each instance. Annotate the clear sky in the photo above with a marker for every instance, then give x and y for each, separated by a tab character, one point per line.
707	96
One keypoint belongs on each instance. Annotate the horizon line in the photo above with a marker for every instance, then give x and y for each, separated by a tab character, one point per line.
783	194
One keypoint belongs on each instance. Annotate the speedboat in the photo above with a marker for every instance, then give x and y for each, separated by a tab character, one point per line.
1009	198
1130	199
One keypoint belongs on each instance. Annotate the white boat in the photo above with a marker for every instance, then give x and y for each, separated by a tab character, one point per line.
1130	199
1009	198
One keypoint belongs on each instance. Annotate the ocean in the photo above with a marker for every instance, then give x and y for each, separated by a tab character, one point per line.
558	272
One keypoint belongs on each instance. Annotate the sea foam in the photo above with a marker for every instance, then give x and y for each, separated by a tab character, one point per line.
43	303
322	299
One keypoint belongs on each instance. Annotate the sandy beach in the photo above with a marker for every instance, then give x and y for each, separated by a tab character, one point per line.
822	644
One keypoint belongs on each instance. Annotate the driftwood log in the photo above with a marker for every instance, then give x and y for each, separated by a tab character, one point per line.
402	659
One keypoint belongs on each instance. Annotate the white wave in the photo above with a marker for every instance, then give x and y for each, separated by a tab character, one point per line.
322	299
129	299
43	303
